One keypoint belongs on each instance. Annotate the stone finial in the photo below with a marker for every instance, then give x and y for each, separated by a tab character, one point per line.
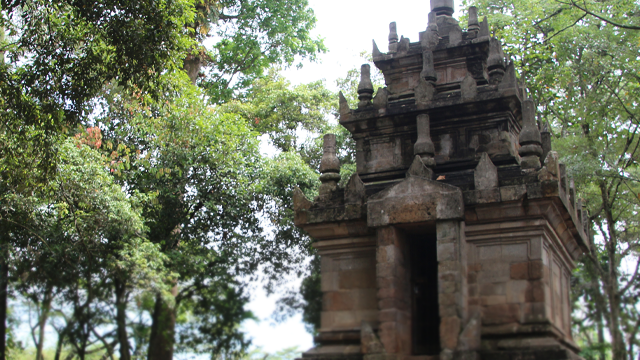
329	162
484	28
381	99
403	44
485	175
365	88
428	71
546	139
455	35
442	7
468	88
344	105
329	167
376	52
424	146
552	163
579	209
473	25
393	37
509	80
432	24
300	201
530	140
354	192
420	169
495	62
572	193
563	177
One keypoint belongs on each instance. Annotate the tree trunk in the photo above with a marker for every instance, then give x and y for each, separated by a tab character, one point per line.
618	346
42	322
61	335
121	319
163	327
4	287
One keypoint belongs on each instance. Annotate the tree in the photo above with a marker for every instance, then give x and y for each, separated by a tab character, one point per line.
582	69
72	233
60	54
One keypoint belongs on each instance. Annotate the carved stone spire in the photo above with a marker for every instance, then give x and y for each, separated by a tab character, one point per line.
495	62
485	175
424	146
365	87
376	52
530	139
473	25
426	88
428	71
329	168
430	38
442	7
393	37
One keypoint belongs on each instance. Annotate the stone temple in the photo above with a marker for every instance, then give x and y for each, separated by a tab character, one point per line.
456	237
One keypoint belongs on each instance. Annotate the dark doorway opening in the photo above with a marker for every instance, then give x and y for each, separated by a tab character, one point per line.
424	294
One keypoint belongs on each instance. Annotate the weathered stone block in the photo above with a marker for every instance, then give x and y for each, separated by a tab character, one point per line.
487	289
447	252
535	313
536	291
449	331
513	193
537	270
520	271
493	300
447	287
415	200
472	277
517	290
357	279
501	314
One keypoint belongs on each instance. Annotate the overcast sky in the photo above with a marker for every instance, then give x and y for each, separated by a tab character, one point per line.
347	27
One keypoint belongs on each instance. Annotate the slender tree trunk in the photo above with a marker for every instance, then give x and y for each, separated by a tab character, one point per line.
61	336
618	347
42	322
4	287
163	327
121	318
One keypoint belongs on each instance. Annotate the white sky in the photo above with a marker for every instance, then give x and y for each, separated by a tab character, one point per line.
348	27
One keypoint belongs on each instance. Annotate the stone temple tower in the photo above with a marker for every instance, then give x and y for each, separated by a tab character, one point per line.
456	236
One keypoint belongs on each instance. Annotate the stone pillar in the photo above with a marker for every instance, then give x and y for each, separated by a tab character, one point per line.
452	285
394	292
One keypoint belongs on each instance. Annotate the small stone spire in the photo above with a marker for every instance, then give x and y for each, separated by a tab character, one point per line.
329	162
365	88
424	146
495	62
432	24
430	38
393	37
485	175
546	139
329	167
428	71
530	139
473	24
442	7
376	52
